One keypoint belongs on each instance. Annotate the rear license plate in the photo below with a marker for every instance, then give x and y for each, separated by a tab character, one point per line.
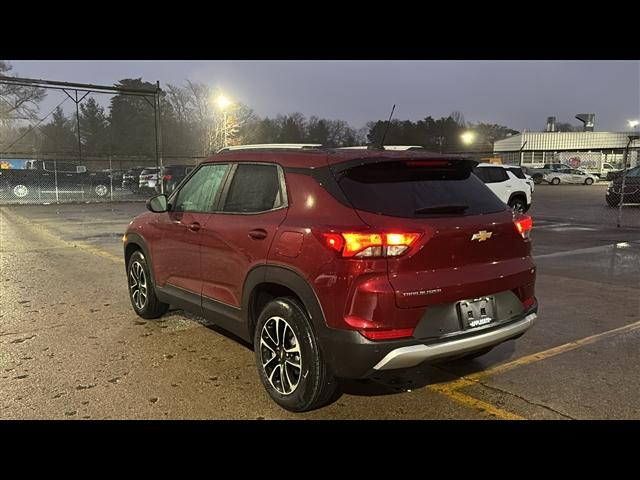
477	312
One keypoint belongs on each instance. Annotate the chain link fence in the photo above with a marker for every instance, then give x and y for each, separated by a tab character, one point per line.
55	178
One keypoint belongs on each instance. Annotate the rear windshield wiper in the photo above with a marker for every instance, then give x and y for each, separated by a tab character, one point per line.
443	209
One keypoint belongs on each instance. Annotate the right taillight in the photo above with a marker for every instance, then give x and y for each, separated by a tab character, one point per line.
167	177
523	224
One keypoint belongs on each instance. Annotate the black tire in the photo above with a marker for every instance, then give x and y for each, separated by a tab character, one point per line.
518	204
537	179
314	384
555	181
151	307
588	181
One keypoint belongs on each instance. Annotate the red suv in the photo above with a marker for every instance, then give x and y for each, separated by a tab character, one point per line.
336	262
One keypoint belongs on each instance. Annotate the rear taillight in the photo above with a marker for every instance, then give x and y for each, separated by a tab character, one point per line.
368	244
167	177
523	224
387	334
527	303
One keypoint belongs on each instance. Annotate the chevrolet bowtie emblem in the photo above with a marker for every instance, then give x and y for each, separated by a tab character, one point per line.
481	236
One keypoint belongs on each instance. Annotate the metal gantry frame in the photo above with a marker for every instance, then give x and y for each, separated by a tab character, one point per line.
88	88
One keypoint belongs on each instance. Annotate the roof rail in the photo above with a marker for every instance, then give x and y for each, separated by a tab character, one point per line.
267	146
386	147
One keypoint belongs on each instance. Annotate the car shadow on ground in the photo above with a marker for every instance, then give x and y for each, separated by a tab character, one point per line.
400	381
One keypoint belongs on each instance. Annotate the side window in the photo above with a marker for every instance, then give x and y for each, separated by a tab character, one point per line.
634	172
517	172
198	193
494	174
254	188
480	173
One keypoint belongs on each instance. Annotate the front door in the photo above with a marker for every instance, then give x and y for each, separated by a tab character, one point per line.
176	251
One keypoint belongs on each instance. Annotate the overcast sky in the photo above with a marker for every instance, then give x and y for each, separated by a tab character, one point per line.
518	94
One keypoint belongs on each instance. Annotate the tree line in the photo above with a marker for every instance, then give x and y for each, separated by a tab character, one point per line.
192	125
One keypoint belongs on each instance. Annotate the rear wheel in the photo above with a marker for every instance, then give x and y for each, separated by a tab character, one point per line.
555	181
290	364
141	289
588	181
518	204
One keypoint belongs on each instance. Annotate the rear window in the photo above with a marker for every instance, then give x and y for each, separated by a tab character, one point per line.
401	189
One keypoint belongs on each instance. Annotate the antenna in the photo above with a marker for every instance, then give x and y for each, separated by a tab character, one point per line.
384	135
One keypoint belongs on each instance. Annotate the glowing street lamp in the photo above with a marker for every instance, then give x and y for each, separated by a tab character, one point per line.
223	102
468	137
634	123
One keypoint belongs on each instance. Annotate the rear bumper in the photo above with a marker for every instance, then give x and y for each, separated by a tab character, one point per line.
351	355
406	357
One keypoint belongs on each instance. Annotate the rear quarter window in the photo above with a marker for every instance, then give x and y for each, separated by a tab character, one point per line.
398	189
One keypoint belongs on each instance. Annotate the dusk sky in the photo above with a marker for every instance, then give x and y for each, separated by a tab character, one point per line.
518	94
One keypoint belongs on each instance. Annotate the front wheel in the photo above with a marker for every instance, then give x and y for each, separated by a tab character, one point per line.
555	181
141	289
101	190
290	364
588	181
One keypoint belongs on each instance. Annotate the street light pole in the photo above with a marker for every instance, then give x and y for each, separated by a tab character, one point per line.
224	119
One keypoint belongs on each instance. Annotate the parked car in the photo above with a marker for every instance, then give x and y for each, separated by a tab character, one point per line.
172	175
631	188
149	179
49	177
301	252
131	179
570	175
116	176
522	175
538	174
504	182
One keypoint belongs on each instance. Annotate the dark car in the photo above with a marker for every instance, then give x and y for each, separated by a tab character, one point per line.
336	263
131	179
631	188
53	177
172	175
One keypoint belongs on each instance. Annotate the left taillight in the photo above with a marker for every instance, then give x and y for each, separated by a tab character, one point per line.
167	177
370	244
524	225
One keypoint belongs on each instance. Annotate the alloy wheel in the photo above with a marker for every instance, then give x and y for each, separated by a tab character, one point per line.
138	285
281	355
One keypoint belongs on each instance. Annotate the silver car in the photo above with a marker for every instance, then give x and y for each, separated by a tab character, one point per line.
570	175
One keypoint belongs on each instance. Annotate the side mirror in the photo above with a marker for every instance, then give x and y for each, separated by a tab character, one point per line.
157	204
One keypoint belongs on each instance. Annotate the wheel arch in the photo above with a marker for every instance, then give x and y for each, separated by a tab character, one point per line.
266	282
136	242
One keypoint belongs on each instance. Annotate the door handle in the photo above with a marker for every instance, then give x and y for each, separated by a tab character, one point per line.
194	227
258	234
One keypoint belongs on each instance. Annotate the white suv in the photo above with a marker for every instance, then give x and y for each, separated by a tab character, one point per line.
508	183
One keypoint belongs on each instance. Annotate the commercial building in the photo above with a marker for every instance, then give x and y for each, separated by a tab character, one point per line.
534	149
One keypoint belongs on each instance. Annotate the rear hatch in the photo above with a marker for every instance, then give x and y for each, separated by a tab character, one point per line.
469	245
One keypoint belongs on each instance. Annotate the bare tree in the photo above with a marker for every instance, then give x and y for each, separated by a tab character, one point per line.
18	102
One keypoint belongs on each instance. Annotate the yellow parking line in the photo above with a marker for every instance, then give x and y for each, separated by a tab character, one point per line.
76	244
552	352
474	403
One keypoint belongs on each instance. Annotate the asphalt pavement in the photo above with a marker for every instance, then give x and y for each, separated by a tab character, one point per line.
71	347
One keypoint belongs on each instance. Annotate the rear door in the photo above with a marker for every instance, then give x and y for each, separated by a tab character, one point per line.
471	248
239	234
497	180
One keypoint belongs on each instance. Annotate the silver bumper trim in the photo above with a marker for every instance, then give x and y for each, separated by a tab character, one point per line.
406	357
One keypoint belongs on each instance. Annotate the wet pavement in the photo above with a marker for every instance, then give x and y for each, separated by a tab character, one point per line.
72	348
